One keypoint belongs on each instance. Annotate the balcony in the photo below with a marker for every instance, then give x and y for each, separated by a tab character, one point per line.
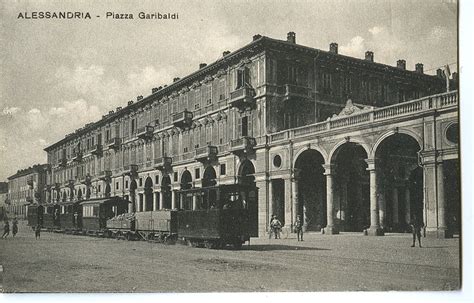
242	145
206	153
62	162
86	180
114	143
77	156
163	163
183	119
131	169
295	92
105	175
57	185
97	150
242	98
145	132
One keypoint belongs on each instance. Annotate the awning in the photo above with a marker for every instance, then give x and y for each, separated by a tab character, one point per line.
99	201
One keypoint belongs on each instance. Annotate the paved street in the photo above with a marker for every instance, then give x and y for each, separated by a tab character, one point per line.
65	263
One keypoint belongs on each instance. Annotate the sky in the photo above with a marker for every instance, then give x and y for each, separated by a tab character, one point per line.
58	75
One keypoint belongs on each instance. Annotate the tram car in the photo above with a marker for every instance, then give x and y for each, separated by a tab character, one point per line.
214	217
96	213
70	216
47	216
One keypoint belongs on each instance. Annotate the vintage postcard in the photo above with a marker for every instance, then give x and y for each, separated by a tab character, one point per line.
229	146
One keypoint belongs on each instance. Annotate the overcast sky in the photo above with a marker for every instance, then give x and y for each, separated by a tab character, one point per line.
57	75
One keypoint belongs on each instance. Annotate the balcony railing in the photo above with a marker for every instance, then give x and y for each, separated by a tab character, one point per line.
295	92
105	174
86	179
114	143
244	144
97	150
163	163
77	156
206	153
183	119
145	132
242	97
130	169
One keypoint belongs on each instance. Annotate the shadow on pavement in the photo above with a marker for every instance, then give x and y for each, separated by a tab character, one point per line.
267	247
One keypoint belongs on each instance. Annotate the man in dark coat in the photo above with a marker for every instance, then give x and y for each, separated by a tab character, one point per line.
416	225
6	229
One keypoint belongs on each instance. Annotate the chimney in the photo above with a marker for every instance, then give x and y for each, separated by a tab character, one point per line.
202	65
291	37
256	37
175	79
139	98
369	56
402	64
130	102
419	68
111	112
333	48
440	73
118	109
154	90
225	53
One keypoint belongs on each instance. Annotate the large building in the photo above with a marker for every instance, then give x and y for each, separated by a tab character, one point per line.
25	187
350	144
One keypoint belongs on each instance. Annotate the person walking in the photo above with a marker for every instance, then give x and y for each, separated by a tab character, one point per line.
299	228
275	227
37	231
416	225
6	229
14	227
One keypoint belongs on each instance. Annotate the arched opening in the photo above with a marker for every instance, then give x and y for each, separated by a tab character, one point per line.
64	196
400	182
107	190
79	194
246	177
148	194
186	183
133	189
166	190
311	188
351	191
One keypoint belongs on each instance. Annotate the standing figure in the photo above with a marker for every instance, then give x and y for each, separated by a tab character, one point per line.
299	228
275	227
37	231
416	225
6	229
14	227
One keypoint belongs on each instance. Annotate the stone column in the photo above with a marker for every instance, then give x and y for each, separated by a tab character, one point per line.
407	205
270	201
195	202
382	201
395	207
131	204
374	229
295	192
155	201
160	200
442	226
173	200
331	228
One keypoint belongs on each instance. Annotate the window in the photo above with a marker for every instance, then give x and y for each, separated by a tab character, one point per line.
157	179
197	173
126	184
223	168
140	182
221	90
116	185
175	176
326	83
291	75
244	127
242	78
107	135
133	126
98	188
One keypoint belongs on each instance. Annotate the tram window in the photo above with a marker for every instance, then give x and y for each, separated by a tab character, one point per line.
95	211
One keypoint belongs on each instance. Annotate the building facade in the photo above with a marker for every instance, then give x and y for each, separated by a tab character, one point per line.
281	116
25	187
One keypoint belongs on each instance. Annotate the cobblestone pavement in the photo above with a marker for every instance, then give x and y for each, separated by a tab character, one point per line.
66	263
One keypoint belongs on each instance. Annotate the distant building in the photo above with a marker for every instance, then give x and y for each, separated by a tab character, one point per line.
345	142
25	187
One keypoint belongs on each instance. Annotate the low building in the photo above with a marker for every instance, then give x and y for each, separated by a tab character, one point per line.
25	187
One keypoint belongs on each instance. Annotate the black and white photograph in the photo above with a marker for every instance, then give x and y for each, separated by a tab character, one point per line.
203	147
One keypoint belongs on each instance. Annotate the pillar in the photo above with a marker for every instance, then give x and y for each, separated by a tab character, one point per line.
331	228
382	202
395	207
173	200
155	201
295	206
195	202
429	199
131	204
160	199
374	229
287	201
442	226
407	205
263	207
270	202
